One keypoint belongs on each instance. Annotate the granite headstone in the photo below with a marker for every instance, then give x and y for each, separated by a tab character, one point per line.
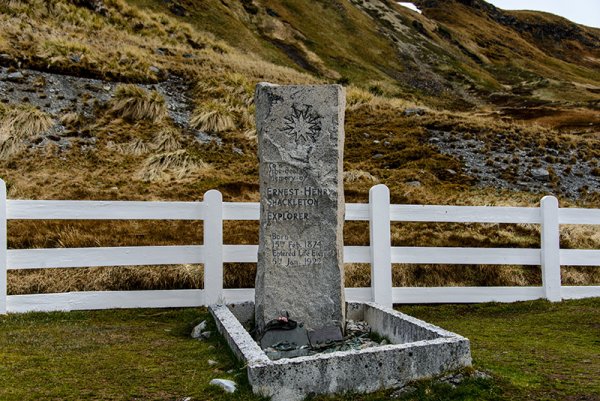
300	258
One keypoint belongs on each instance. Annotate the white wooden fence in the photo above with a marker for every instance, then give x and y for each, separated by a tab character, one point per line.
213	211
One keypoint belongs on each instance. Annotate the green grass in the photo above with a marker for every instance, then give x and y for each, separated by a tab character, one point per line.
534	350
542	351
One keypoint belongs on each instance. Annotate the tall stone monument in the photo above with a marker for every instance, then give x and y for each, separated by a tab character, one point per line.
300	255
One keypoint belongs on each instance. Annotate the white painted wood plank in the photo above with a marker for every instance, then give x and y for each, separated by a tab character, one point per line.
358	294
234	295
425	295
94	300
579	216
240	253
238	295
580	257
103	210
580	292
251	211
241	211
357	212
357	254
93	257
249	254
464	214
466	256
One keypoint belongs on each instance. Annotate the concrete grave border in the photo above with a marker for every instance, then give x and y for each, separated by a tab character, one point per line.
418	350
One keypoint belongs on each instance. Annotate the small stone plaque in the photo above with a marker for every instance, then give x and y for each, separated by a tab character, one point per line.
296	337
325	335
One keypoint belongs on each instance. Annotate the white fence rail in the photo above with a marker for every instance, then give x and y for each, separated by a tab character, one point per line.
213	253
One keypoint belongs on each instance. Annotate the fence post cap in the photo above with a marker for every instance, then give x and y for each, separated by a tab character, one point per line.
379	188
549	200
213	194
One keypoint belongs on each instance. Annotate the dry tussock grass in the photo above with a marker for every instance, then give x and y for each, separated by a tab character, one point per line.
119	278
168	139
19	124
134	103
213	117
358	98
359	175
178	164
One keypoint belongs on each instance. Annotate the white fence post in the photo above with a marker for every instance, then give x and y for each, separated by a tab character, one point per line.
3	249
213	247
550	249
381	252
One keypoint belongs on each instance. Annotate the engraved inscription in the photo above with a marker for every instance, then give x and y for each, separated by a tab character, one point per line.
303	125
293	253
292	202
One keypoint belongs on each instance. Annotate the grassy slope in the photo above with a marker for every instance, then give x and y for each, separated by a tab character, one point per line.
336	37
534	350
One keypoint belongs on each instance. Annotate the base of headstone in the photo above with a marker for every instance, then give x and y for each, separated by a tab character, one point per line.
417	350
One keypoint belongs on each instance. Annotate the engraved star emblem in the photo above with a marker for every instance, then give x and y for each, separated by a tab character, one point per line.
302	125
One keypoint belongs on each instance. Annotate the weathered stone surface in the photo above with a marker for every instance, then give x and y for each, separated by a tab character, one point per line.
296	337
197	330
300	256
228	385
540	174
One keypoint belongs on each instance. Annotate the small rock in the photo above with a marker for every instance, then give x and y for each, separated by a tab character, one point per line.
206	334
178	10
5	57
453	380
237	150
414	111
197	331
75	58
540	174
154	69
227	385
376	142
106	87
366	135
378	156
403	391
212	362
434	140
415	184
451	172
15	76
481	375
187	55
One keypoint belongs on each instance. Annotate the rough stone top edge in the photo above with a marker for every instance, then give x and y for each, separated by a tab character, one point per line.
261	85
366	351
255	357
418	322
248	347
421	323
